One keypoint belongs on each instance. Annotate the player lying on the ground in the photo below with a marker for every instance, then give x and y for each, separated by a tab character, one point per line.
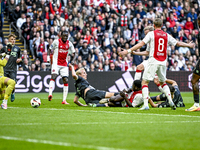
86	91
175	95
132	98
7	85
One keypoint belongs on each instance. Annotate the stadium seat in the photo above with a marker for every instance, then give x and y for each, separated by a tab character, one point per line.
196	32
182	26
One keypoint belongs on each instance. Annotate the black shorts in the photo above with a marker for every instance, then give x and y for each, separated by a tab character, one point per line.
10	74
94	96
197	68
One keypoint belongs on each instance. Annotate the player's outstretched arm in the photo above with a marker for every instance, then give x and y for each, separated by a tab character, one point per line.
122	94
137	46
74	58
145	53
77	102
172	82
73	72
152	103
183	44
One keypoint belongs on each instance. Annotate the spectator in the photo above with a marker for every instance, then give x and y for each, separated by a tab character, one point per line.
137	59
159	8
111	46
51	19
117	67
25	65
41	49
20	21
15	14
106	65
133	68
85	52
44	68
174	67
85	66
189	25
60	21
123	20
192	15
171	20
26	28
126	64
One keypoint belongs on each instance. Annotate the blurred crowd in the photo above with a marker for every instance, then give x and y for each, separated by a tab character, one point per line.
99	29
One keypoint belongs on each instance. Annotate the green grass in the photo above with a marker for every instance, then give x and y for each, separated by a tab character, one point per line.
56	126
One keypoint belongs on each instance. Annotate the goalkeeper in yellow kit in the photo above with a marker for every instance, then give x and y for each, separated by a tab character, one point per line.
6	84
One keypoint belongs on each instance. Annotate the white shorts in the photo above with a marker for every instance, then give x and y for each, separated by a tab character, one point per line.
152	69
145	63
138	100
60	70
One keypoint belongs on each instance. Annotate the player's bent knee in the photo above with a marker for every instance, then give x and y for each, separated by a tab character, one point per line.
65	79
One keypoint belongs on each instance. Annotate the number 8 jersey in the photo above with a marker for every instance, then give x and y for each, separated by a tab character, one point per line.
158	41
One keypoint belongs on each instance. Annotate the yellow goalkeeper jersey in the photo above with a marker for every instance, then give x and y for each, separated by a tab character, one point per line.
2	64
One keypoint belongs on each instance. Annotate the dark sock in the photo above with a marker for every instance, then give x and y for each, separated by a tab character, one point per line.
115	94
196	98
154	98
100	105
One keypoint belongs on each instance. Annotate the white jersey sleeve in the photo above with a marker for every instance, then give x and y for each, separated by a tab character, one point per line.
147	38
171	40
71	48
54	45
148	47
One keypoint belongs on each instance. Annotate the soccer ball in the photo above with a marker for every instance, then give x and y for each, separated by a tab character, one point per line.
35	102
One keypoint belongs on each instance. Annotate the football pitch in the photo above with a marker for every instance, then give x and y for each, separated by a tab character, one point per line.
56	126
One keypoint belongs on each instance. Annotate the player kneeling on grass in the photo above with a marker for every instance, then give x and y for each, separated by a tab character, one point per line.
175	95
90	95
127	98
7	85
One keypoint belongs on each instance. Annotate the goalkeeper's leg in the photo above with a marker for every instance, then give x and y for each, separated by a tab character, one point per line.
10	83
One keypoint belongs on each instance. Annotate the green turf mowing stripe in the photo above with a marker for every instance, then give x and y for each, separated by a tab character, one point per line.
58	143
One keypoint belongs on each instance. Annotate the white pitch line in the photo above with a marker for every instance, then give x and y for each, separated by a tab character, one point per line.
165	115
59	143
96	123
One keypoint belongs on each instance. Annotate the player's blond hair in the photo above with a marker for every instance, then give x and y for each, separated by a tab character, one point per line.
150	28
11	35
79	71
158	22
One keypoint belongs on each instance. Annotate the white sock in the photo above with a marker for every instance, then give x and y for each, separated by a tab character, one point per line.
167	92
145	94
51	86
65	91
161	89
5	101
138	75
196	104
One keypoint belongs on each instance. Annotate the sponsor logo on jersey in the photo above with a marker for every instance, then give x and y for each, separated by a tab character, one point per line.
15	49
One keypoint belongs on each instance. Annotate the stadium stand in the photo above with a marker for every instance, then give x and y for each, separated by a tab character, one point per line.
105	25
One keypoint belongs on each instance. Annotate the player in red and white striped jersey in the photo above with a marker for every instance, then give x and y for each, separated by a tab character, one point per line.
158	41
62	48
